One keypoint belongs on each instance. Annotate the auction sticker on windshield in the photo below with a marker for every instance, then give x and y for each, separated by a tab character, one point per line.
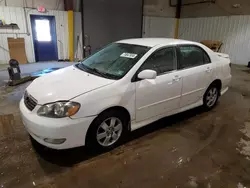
129	55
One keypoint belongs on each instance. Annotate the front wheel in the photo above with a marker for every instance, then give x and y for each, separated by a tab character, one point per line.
107	131
211	97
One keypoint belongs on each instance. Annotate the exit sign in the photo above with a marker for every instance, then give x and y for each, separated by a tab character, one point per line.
41	9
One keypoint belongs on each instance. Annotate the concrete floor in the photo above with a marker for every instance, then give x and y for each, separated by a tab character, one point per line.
192	149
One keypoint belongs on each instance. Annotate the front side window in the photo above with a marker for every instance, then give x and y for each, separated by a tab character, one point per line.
161	61
113	61
191	56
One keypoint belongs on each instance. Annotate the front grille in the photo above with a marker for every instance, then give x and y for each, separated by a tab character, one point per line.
29	101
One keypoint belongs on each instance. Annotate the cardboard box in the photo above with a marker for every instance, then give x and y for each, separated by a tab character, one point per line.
17	50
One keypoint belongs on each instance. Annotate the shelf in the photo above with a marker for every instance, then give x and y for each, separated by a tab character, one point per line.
9	26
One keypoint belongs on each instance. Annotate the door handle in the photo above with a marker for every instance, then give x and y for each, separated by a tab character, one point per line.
208	69
177	78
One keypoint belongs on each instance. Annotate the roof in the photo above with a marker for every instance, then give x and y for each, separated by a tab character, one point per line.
151	42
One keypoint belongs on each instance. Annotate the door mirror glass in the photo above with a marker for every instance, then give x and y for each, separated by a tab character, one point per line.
147	74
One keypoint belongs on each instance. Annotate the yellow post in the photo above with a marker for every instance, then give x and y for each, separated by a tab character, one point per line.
71	34
176	32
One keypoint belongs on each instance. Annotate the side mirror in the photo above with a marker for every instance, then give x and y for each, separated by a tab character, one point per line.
147	74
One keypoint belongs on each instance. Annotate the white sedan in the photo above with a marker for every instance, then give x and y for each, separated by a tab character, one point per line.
123	87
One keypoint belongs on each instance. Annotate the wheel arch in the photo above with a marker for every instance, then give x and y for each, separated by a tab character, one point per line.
217	83
118	108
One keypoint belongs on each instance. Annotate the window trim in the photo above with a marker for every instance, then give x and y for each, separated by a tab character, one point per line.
135	78
190	45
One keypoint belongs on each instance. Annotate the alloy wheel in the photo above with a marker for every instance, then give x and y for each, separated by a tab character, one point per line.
109	131
211	97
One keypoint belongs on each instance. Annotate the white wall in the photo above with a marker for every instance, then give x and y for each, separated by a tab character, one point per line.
233	31
17	15
48	4
158	8
158	27
219	8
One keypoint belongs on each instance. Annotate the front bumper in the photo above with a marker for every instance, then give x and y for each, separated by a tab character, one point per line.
73	130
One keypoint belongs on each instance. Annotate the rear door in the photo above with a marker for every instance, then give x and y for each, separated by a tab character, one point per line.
197	72
158	96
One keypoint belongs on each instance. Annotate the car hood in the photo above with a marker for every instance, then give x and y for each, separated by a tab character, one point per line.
65	84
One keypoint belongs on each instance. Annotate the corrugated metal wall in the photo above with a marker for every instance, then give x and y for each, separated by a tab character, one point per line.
17	15
158	27
233	31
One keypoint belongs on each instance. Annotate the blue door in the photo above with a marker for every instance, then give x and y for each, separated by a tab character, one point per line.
44	37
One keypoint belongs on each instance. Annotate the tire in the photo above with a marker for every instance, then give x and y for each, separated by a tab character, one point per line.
211	97
107	131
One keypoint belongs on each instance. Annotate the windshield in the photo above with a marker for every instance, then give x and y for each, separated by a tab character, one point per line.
113	61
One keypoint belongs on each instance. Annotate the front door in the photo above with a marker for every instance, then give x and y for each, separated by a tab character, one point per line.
196	69
158	96
44	37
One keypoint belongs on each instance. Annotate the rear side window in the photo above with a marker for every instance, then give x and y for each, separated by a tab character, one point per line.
191	56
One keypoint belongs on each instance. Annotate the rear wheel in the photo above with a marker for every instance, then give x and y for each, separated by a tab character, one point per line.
211	97
107	131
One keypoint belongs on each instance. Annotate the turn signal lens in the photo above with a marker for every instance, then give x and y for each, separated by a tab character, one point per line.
73	110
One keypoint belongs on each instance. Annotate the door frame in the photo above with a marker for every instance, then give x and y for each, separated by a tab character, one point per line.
53	33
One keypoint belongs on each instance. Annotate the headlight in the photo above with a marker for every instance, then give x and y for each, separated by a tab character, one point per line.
59	109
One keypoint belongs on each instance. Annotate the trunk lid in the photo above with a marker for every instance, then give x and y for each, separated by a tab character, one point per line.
222	55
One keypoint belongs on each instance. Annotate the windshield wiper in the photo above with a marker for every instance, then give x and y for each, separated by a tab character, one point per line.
81	66
97	72
105	75
88	69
